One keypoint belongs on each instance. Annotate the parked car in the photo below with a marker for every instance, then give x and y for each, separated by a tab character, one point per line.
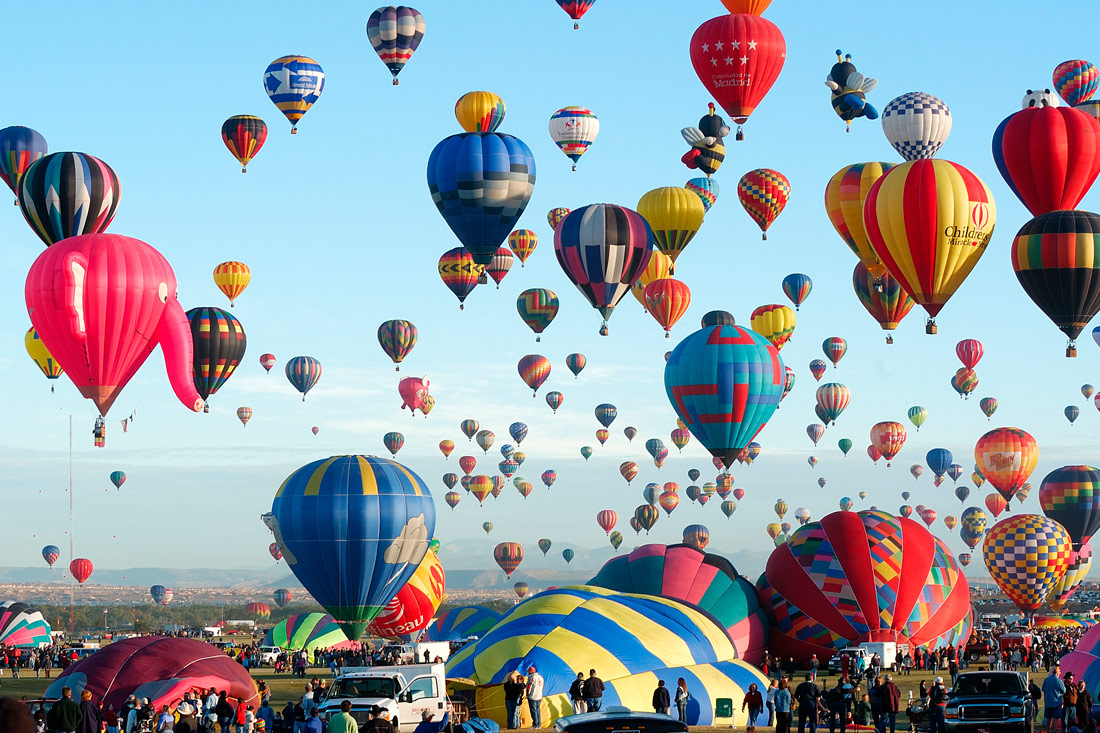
619	720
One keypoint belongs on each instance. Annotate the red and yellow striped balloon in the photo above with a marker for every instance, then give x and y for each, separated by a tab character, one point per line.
844	197
929	221
232	278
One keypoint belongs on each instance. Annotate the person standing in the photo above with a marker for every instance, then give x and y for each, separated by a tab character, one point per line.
937	703
343	722
661	700
890	700
815	664
1053	690
769	702
535	685
224	711
807	695
64	716
576	694
754	701
513	696
682	698
1084	704
783	700
1069	702
90	721
166	720
593	692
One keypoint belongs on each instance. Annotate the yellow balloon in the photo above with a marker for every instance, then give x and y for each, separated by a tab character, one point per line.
773	322
659	268
41	355
675	215
844	197
774	529
232	278
480	111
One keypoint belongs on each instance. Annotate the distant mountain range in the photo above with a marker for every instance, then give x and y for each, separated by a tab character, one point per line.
468	563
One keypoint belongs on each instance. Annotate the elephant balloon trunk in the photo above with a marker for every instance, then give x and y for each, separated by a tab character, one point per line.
173	333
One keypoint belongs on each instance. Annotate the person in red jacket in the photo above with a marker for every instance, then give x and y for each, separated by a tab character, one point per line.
754	701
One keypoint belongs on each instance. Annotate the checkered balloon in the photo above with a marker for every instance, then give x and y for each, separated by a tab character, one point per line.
1027	555
916	124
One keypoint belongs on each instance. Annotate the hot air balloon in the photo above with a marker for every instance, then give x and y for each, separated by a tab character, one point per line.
630	432
534	370
1026	555
554	399
1055	256
826	560
446	447
118	478
499	266
576	10
244	414
1076	81
916	124
481	183
602	435
549	477
1071	413
41	355
916	469
764	194
629	471
706	189
816	432
161	595
50	553
874	453
817	368
452	498
414	395
739	85
508	555
1070	495
567	555
459	273
882	297
480	111
118	279
294	84
573	130
667	300
674	214
556	216
680	437
484	439
1087	390
394	34
607	519
1048	155
954	471
996	504
962	493
267	361
19	147
659	268
938	459
397	338
81	569
845	445
647	516
888	437
844	197
775	323
797	287
244	135
575	363
668	501
393	442
989	406
1006	457
487	527
275	552
833	398
603	249
964	382
586	451
606	414
964	558
219	343
281	597
929	261
303	372
63	195
352	548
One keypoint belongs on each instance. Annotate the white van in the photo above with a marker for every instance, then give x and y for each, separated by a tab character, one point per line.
405	691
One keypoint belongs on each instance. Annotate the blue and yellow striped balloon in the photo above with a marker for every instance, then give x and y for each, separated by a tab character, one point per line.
353	529
294	84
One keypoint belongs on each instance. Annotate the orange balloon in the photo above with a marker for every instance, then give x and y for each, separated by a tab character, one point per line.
667	300
752	7
1006	457
888	437
996	504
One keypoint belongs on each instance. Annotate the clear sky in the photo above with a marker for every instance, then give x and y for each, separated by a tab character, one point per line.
340	232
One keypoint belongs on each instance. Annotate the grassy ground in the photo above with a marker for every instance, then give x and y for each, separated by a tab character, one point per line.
284	687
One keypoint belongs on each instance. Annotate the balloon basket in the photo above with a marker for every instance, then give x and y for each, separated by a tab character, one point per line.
889	339
574	167
397	368
294	131
206	408
15	203
931	328
538	339
395	81
1071	352
740	134
576	26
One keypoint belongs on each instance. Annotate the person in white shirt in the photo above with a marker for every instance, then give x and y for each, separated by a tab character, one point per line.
534	696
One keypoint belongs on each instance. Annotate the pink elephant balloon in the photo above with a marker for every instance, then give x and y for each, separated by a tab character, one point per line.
413	390
101	303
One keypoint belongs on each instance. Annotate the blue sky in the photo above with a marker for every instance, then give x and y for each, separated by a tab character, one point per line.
341	234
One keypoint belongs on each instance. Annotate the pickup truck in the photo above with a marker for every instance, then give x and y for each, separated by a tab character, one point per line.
405	691
985	701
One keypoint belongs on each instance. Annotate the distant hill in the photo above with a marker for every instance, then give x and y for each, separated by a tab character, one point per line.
171	577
